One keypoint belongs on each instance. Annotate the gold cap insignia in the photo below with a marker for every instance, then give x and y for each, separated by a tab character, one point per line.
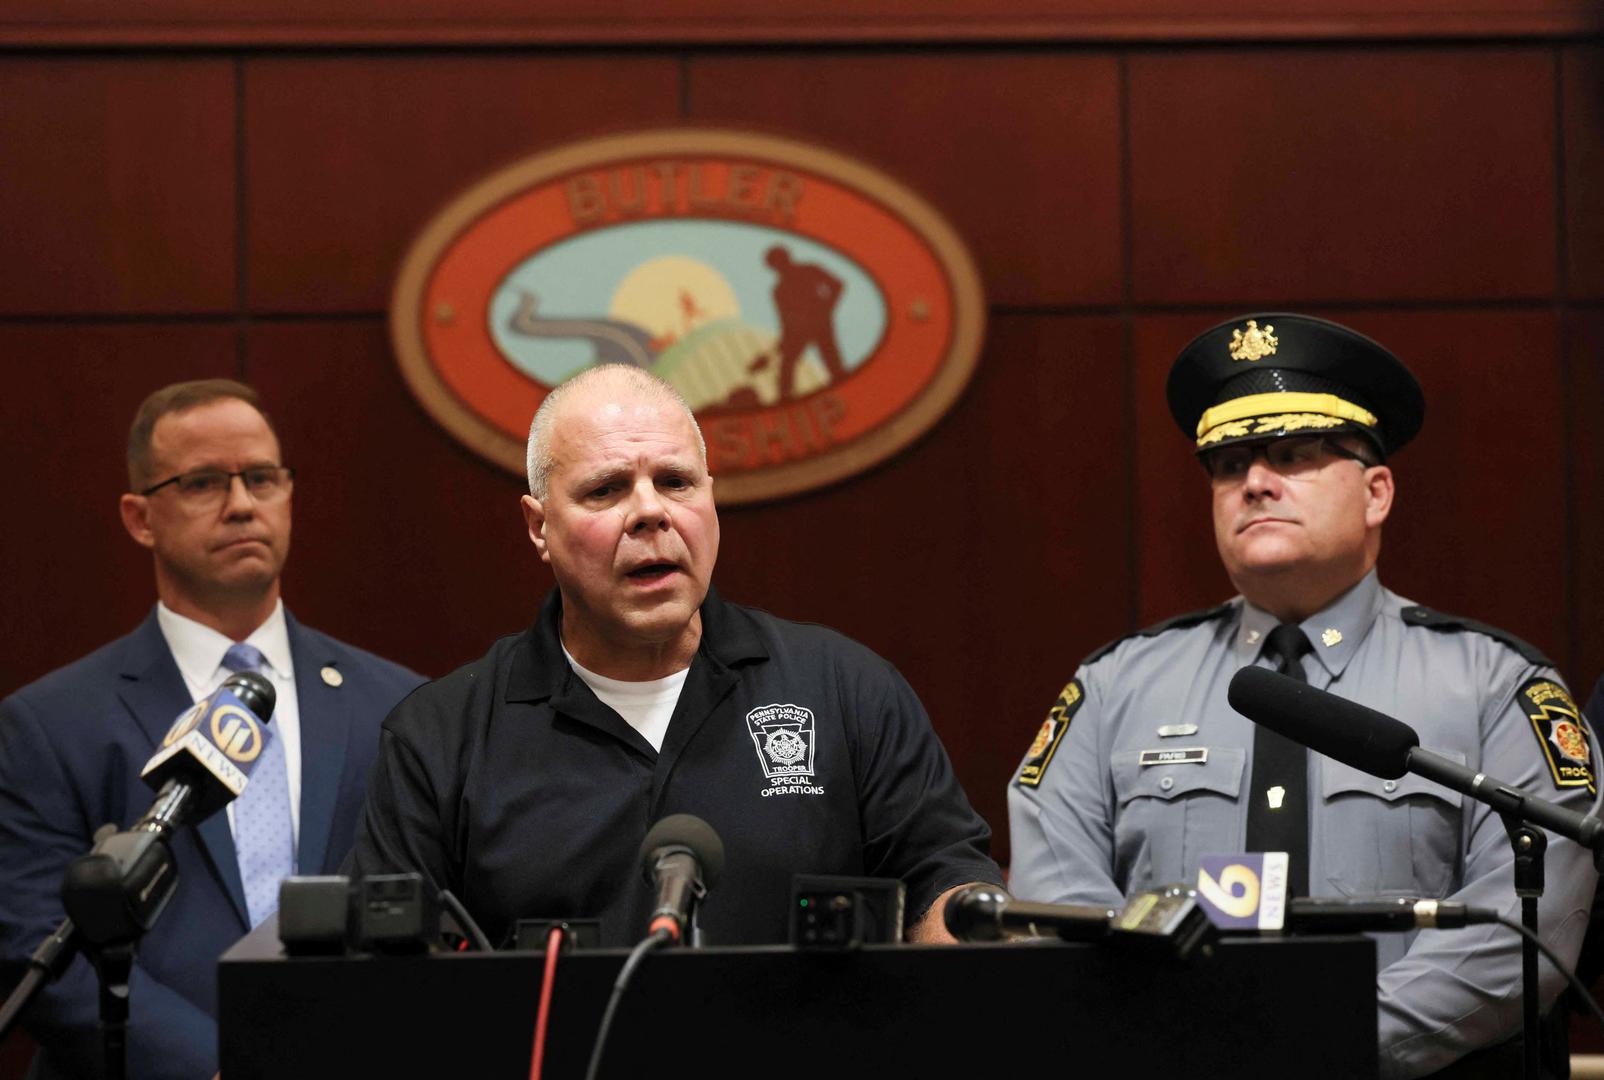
1331	636
1252	343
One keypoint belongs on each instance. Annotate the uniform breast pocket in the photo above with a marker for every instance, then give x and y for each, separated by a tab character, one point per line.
1167	816
1380	837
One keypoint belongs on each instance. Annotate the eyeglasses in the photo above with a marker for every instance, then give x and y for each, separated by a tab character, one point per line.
1297	455
210	487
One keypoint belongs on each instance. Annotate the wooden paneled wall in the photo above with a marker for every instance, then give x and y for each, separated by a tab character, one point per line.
174	204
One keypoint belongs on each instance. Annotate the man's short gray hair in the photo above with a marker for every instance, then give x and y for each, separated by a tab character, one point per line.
537	456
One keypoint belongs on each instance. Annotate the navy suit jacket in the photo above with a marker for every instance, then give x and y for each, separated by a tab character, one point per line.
71	749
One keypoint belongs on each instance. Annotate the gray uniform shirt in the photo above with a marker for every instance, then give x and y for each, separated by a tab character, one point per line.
1097	824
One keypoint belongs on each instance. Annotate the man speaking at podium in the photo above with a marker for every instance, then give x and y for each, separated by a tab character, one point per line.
526	781
1143	767
210	499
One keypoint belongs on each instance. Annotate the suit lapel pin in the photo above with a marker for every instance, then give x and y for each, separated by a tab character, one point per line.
331	675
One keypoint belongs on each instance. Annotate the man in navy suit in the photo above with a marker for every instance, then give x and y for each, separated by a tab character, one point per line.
210	498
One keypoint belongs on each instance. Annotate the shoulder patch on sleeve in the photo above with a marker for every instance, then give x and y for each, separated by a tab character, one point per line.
1191	618
1050	734
1436	620
1561	732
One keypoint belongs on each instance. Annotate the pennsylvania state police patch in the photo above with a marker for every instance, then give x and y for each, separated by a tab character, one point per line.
1051	733
1561	732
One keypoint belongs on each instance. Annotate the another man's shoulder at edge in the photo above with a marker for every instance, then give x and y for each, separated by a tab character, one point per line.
404	678
442	702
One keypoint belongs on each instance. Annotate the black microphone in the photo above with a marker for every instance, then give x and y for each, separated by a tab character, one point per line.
1327	916
683	857
987	913
1375	743
117	891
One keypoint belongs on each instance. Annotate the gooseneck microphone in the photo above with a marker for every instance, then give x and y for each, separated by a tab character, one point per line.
683	857
1378	744
987	913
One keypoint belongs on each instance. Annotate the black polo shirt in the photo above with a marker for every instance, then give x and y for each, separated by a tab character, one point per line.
511	784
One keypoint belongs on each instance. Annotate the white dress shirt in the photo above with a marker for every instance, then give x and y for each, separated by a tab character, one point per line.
199	650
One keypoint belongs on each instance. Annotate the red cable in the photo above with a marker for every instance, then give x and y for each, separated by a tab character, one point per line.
554	942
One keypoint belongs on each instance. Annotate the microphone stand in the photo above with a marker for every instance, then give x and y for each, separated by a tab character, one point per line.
113	895
1529	843
1522	814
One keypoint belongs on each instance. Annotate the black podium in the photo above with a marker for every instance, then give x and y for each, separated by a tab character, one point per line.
1302	1007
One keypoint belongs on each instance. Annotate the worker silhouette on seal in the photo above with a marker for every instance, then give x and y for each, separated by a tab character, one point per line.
805	299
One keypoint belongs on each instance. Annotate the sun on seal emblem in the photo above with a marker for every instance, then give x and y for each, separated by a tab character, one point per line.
1251	343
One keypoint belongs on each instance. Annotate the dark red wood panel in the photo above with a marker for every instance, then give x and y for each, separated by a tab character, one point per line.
503	22
74	578
1019	150
1177	567
984	561
1473	530
406	543
1342	174
116	185
1582	95
348	157
1585	454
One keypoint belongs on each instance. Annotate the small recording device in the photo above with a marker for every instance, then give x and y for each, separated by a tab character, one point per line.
845	912
380	913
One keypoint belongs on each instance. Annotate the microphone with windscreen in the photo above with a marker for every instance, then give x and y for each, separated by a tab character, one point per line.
1351	733
683	857
1380	745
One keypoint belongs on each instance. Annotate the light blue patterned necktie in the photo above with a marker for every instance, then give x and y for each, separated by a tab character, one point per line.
263	833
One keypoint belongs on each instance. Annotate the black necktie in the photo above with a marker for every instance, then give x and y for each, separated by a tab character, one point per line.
1278	807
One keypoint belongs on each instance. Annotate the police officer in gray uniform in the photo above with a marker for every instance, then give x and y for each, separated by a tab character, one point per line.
1142	767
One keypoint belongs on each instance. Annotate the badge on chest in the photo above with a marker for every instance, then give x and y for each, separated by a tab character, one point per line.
785	740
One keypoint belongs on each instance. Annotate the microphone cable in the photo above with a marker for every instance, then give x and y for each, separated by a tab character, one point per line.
650	942
466	921
1576	984
554	941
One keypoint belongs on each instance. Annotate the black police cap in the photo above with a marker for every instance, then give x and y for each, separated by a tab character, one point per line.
1261	377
